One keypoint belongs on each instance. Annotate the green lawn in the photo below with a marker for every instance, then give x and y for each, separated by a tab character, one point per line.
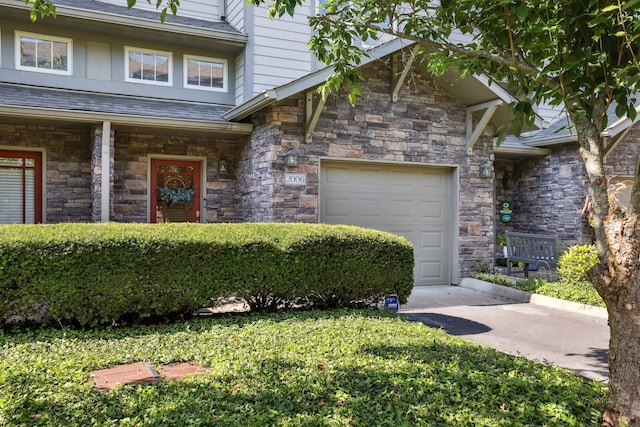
339	368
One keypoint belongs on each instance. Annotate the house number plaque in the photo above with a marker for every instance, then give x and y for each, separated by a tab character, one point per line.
295	179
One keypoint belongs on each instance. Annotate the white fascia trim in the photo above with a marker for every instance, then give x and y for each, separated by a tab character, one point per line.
553	140
303	84
521	151
495	88
506	96
249	107
620	125
240	129
230	38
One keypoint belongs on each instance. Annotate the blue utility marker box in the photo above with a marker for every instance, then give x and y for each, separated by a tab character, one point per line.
391	303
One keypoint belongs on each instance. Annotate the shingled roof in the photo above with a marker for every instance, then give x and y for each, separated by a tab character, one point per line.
111	9
72	100
88	107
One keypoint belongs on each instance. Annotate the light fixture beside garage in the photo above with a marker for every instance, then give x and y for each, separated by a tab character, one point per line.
291	158
485	169
222	166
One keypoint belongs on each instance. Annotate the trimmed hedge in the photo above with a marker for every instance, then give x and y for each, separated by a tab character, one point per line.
90	274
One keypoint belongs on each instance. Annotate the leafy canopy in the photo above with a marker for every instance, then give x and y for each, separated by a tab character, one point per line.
578	53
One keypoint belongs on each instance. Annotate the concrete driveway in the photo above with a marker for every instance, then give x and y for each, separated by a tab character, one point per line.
564	337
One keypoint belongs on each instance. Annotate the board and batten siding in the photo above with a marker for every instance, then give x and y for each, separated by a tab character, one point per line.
207	10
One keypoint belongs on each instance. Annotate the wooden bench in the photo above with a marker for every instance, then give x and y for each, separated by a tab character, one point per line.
539	250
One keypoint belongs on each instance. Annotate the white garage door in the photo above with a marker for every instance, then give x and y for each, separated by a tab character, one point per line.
412	201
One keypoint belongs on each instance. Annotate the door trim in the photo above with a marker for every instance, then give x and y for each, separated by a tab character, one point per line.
203	180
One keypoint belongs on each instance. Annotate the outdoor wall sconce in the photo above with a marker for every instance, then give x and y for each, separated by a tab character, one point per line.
485	169
222	166
291	159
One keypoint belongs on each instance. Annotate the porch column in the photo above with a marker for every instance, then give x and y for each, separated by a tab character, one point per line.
102	173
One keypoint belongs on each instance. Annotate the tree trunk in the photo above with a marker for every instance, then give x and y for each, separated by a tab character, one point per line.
623	404
617	279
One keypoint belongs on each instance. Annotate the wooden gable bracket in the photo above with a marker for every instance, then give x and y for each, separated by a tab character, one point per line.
613	141
312	115
397	77
473	135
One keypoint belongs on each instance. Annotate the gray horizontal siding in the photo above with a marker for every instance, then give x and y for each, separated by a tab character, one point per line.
205	10
291	59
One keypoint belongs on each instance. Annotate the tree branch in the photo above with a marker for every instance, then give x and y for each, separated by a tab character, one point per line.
519	64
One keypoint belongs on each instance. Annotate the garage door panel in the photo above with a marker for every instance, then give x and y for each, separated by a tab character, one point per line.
433	210
402	208
432	239
432	181
337	207
373	207
402	179
430	271
418	210
368	177
410	201
337	175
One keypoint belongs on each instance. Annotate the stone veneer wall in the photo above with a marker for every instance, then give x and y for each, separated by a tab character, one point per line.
549	193
132	154
426	126
256	176
621	160
67	156
97	186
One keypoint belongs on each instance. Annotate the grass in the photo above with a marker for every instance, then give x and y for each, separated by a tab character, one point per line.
581	292
338	368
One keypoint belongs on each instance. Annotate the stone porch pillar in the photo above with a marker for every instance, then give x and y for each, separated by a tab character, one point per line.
102	170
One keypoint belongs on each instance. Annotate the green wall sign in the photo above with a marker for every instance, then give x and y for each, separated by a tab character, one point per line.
506	210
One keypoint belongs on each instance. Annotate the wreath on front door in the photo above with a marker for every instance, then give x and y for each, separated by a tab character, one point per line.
176	196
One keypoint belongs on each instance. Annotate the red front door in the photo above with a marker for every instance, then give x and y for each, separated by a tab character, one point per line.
175	191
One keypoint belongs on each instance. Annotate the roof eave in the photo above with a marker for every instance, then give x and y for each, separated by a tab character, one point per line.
90	15
562	139
620	125
521	151
237	129
249	107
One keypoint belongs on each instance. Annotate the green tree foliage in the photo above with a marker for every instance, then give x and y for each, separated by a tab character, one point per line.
576	261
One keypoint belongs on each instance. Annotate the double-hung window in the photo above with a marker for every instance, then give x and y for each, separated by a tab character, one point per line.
20	187
205	73
37	52
148	66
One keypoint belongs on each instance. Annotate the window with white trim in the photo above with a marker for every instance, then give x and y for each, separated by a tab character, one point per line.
148	66
205	73
48	54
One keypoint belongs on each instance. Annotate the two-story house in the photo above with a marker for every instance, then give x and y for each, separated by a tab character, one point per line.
104	109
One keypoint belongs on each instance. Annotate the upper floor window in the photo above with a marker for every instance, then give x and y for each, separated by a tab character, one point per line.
205	73
36	52
147	66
